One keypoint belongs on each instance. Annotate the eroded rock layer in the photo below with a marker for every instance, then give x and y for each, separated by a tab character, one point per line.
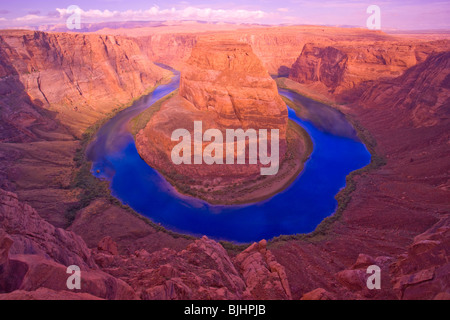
34	257
227	79
53	86
74	78
224	86
338	68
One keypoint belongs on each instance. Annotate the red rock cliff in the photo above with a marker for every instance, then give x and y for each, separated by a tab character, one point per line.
228	80
338	68
225	86
78	77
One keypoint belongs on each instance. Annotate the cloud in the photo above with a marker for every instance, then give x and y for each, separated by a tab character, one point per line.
155	13
29	17
283	9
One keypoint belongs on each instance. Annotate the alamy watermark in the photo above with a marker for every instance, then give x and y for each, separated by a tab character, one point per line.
74	20
235	147
374	280
374	20
74	281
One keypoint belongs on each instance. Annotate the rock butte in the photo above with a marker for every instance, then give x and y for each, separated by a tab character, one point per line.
225	86
397	216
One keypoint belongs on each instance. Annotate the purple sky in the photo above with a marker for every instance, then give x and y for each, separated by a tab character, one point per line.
404	14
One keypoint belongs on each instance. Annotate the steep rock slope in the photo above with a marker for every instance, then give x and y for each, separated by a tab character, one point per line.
34	257
227	79
398	213
338	68
79	78
225	86
422	93
52	87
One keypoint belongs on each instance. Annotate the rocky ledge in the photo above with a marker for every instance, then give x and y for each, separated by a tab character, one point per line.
34	256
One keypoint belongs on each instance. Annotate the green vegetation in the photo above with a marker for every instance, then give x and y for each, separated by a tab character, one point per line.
91	188
345	195
139	122
234	248
290	103
281	84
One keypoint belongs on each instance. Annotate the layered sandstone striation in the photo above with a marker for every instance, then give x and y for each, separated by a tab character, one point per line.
224	86
34	257
277	47
337	69
397	217
53	87
75	78
421	94
227	79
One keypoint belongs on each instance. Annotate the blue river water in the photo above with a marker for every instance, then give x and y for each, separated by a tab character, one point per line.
298	209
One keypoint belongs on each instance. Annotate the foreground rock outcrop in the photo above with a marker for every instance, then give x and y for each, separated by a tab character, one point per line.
34	257
264	276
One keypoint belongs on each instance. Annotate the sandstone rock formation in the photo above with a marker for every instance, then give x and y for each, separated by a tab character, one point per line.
337	68
277	47
78	78
31	234
35	256
397	215
264	276
225	86
52	87
227	79
398	211
422	93
423	272
33	266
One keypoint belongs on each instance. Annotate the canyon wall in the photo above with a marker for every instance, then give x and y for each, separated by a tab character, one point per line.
52	87
397	217
279	48
421	94
329	60
339	68
224	85
228	80
73	78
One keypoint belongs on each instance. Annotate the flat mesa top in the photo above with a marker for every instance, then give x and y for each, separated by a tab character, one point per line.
221	44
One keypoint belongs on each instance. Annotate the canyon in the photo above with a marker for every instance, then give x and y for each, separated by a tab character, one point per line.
42	123
225	87
394	90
